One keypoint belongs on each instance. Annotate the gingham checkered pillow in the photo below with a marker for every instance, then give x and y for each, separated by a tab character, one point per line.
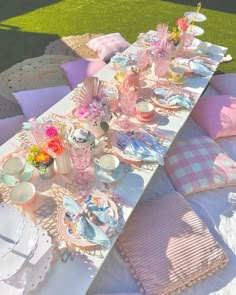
108	45
197	164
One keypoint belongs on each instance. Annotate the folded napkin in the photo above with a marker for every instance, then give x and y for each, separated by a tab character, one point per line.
178	100
85	227
141	146
199	68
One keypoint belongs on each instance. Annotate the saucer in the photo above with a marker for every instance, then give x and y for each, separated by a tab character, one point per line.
104	177
11	181
178	82
150	118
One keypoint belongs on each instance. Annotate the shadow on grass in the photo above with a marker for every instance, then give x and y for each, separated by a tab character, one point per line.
11	8
227	6
17	46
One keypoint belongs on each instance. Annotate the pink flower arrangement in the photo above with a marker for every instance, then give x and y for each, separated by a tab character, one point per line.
96	110
182	24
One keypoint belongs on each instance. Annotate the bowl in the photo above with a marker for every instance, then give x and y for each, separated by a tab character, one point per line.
23	193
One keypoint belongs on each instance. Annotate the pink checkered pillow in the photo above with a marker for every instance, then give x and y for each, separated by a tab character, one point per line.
217	115
108	45
9	127
77	71
36	102
168	247
225	84
197	164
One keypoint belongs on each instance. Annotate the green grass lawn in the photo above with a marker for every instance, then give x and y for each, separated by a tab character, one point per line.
27	26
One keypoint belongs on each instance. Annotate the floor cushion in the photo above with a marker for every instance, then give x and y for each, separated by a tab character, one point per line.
9	127
225	83
77	71
108	45
36	102
196	164
217	115
168	247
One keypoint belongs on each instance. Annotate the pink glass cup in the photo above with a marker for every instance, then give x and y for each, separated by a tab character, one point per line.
187	38
81	155
142	58
162	63
162	32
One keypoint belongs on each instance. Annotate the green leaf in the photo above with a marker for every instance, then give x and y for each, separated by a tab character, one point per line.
104	126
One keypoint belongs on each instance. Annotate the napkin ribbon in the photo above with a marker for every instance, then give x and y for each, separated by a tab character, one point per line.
84	218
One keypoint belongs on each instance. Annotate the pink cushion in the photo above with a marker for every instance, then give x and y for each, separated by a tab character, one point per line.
9	127
108	45
197	164
225	84
36	102
217	115
77	71
168	247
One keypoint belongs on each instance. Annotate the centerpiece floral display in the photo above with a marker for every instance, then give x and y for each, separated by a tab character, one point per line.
181	26
40	160
93	108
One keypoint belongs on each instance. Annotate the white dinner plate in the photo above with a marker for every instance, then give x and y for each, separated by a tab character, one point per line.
11	227
12	262
196	29
34	271
195	16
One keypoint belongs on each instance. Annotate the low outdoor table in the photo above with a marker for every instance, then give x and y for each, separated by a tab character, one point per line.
75	273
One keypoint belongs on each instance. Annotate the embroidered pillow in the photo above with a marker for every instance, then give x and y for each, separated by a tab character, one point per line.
108	45
197	164
225	84
36	102
168	247
217	115
9	127
77	71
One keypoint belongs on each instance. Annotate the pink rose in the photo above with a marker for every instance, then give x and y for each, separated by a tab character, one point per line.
81	112
55	146
51	131
182	24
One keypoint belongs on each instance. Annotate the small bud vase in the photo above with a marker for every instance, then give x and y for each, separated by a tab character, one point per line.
47	173
95	128
63	162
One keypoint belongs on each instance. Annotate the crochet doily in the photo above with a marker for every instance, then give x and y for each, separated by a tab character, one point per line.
34	73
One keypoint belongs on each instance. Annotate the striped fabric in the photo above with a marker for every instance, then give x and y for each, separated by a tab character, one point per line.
108	45
197	164
225	84
168	247
36	102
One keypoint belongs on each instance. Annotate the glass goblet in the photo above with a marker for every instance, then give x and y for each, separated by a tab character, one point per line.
81	156
162	62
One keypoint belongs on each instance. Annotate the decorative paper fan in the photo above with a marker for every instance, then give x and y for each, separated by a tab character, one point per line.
89	90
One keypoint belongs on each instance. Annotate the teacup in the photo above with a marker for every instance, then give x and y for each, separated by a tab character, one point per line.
13	166
23	193
120	74
108	163
176	73
145	109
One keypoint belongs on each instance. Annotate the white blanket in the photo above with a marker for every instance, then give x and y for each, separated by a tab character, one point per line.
211	206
